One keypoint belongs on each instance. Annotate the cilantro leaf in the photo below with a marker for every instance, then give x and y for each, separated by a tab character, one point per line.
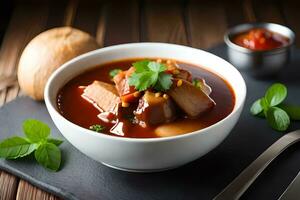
164	82
16	147
140	66
49	156
156	67
114	72
35	130
150	74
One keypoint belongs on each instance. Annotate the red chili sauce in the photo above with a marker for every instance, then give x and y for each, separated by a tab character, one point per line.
260	39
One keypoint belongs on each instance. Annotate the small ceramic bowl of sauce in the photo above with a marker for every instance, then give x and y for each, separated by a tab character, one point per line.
262	49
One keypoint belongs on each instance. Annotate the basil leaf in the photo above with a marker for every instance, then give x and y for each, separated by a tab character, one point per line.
35	130
264	103
57	142
291	110
276	94
256	107
49	156
16	147
278	119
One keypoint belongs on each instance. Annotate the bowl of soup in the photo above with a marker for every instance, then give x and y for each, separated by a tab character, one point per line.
261	49
145	107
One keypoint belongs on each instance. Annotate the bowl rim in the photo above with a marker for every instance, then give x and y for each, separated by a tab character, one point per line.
247	26
56	73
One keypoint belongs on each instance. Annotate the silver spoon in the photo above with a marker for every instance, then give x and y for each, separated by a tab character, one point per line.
241	183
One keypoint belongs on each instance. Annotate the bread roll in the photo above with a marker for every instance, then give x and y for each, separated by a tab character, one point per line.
47	52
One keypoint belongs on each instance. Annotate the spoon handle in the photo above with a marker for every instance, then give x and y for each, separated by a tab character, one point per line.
241	183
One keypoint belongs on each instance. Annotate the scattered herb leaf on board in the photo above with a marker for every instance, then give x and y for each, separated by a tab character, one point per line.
271	106
37	140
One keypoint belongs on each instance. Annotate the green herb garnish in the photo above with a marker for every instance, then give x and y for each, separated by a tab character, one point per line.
150	74
271	107
37	140
114	72
97	127
197	83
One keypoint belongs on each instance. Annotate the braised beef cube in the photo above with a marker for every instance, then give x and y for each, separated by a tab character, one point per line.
153	109
104	96
121	81
192	100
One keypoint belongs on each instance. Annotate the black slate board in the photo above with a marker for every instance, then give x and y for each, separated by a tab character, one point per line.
83	178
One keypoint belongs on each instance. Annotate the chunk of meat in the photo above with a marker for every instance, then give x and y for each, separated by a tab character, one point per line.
192	100
121	81
154	109
104	96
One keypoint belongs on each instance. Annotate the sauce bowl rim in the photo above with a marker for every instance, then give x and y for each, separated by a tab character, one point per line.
231	32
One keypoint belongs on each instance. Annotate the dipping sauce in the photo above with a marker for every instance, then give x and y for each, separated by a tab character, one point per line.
260	39
78	110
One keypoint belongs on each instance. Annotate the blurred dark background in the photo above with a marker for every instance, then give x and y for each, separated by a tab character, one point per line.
199	23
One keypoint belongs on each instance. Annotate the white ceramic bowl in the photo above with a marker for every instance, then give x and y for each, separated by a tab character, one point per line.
153	154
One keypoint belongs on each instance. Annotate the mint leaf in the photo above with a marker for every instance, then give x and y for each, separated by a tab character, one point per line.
114	72
49	156
57	142
16	147
256	107
35	130
278	119
276	94
292	110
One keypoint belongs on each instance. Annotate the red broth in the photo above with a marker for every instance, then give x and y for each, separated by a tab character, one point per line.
79	111
260	39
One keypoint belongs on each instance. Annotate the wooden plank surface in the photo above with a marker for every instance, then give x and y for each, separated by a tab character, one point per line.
206	17
26	22
198	23
8	186
164	22
122	29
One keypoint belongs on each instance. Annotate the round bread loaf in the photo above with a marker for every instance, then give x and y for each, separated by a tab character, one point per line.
47	52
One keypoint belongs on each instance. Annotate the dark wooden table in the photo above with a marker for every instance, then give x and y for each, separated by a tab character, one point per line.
200	24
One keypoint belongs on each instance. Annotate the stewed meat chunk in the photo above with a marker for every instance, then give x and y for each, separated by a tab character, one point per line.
104	96
154	109
192	100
